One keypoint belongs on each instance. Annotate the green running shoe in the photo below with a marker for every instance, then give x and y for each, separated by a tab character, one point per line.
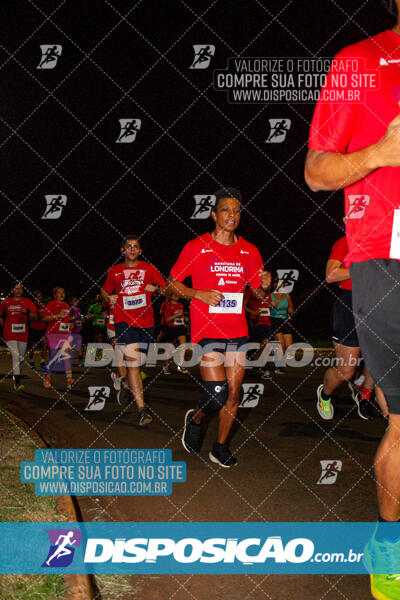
383	557
324	407
385	587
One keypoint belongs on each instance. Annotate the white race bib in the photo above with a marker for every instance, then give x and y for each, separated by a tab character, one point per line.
179	321
63	327
111	320
18	327
265	312
395	244
137	301
231	303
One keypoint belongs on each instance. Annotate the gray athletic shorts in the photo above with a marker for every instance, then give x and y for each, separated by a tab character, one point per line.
376	306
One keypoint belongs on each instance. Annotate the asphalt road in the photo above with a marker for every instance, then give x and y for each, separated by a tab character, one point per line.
279	445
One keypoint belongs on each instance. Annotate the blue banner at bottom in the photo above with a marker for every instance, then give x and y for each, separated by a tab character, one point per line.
199	548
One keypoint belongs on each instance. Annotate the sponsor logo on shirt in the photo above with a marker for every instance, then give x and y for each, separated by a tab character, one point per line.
244	252
383	62
204	251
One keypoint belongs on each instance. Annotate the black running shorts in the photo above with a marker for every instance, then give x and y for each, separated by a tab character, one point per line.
376	301
343	327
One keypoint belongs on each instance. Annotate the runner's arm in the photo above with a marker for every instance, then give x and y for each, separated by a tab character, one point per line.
212	297
326	171
247	309
290	308
335	272
264	288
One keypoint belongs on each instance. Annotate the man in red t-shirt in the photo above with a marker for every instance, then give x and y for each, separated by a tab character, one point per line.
58	335
345	340
37	328
220	265
18	311
259	312
355	146
128	288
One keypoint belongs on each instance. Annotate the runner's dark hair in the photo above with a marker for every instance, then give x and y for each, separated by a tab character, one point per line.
130	236
227	192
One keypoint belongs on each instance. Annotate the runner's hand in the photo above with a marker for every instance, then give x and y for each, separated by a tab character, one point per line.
112	299
212	297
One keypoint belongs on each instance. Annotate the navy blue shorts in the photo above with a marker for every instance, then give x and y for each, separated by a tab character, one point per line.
172	333
222	345
261	332
126	334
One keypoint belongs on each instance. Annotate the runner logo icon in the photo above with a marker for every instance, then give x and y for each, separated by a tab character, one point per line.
279	129
97	397
357	205
329	471
204	206
252	393
62	547
50	55
54	206
202	56
287	279
129	129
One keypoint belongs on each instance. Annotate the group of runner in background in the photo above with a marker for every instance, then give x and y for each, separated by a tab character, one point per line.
123	315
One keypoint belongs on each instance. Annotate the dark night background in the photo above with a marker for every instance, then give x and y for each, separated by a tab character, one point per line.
123	59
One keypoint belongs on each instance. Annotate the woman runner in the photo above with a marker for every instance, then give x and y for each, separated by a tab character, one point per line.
220	264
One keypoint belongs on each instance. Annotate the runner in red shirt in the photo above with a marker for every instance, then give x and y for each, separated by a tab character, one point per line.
345	340
175	329
37	328
355	146
129	287
259	312
58	334
220	265
18	311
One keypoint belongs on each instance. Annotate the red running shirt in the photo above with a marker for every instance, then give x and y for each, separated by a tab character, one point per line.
134	304
213	266
16	321
264	306
339	252
170	309
40	324
350	126
54	307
